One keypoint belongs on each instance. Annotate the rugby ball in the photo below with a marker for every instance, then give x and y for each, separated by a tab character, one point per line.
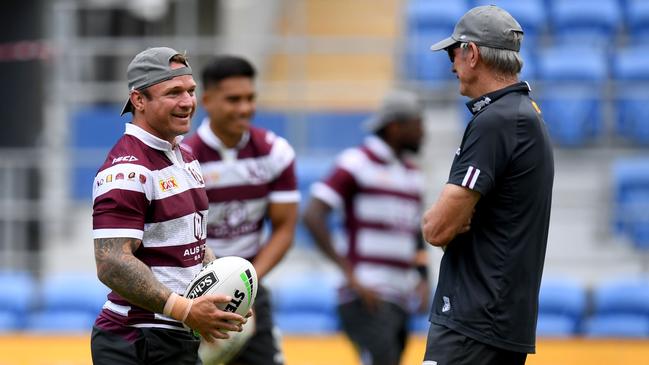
229	275
221	351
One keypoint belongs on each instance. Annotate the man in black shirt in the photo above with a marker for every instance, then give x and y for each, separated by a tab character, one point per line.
492	216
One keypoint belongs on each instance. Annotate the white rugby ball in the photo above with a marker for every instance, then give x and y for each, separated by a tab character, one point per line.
221	351
229	275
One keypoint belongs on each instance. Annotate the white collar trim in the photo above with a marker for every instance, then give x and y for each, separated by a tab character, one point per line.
207	135
380	148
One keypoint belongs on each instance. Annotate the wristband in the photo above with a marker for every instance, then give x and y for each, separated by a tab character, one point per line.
177	307
423	271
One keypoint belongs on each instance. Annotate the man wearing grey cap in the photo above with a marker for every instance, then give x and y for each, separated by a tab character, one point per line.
384	265
149	209
492	216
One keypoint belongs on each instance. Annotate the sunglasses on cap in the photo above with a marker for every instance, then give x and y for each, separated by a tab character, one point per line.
451	50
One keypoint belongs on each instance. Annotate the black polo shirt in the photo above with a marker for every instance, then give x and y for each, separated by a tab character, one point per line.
490	276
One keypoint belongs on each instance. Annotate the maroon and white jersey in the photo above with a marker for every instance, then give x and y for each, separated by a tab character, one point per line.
381	197
149	190
240	183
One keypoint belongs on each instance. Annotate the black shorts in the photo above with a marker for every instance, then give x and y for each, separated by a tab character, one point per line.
144	346
379	336
447	347
264	347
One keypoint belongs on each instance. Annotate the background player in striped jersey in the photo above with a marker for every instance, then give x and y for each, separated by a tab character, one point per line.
149	225
249	176
381	195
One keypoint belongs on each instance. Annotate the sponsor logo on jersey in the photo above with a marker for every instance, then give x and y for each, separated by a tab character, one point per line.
168	184
142	179
480	104
100	182
119	176
447	304
124	159
457	152
203	285
109	178
131	176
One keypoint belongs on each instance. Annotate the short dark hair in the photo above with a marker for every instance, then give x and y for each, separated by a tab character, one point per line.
226	66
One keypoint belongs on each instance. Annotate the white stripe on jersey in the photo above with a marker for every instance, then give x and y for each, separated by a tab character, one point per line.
284	196
159	325
467	176
328	195
176	278
100	186
117	232
381	244
171	172
244	246
174	232
474	179
382	279
122	310
387	209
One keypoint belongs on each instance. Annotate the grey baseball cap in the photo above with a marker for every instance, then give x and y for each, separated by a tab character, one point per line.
488	26
150	67
397	105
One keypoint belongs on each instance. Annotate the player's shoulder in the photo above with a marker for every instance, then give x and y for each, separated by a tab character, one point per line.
352	158
266	142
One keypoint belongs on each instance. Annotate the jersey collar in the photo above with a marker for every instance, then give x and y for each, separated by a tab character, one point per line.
482	102
210	139
380	149
149	139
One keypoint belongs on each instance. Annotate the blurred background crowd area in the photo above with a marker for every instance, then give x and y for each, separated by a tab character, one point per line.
323	66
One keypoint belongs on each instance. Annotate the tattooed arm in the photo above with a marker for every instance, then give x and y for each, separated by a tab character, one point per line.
129	277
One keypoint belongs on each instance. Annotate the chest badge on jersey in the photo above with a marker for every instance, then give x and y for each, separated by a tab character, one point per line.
168	184
447	304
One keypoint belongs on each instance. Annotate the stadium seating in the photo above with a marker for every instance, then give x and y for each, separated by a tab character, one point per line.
630	70
631	199
570	93
332	131
593	22
17	290
562	305
306	305
636	14
69	302
426	23
621	309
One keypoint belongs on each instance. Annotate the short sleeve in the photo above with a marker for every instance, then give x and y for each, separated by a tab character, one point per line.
336	188
483	155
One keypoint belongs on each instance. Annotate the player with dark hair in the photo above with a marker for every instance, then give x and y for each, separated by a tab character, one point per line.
249	176
149	221
380	192
493	214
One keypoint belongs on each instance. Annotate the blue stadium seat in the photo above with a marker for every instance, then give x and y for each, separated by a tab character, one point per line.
332	131
60	321
562	304
636	13
428	22
555	325
620	325
630	70
530	14
571	92
17	295
622	296
9	321
594	22
73	291
306	304
631	199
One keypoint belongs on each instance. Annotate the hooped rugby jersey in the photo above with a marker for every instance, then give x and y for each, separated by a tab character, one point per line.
381	197
240	183
149	190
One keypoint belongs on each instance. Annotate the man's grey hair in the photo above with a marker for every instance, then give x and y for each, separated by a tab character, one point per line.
503	61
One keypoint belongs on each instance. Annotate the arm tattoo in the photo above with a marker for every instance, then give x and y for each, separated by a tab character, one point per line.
129	277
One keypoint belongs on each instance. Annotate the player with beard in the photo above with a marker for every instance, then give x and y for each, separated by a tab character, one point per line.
380	193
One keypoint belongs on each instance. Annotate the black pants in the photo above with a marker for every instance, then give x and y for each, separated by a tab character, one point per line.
379	336
447	347
148	347
263	348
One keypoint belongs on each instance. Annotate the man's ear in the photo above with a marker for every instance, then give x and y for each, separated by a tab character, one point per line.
137	100
473	55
